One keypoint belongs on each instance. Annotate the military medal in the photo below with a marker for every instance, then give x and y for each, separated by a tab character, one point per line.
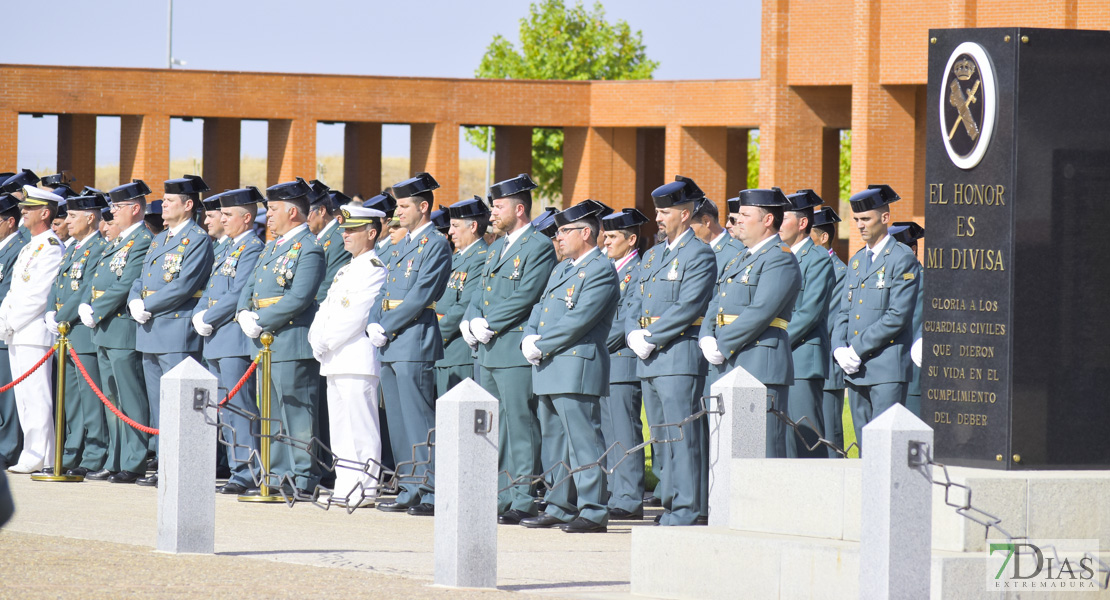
672	275
747	270
627	278
882	278
27	267
451	281
570	297
423	241
855	264
849	295
408	268
345	302
516	268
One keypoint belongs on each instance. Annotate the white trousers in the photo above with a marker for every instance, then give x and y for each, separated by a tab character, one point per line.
34	405
355	435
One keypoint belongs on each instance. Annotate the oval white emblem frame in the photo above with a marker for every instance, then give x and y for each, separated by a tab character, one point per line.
990	105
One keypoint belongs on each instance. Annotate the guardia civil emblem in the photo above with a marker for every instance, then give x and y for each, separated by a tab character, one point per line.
968	105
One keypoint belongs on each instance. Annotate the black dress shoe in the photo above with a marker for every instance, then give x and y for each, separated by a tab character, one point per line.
151	481
232	488
542	521
619	514
78	471
422	510
47	471
512	517
124	477
393	507
152	465
652	501
581	525
702	521
100	475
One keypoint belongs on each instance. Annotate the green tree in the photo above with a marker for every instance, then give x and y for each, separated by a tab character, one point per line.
845	163
557	42
753	159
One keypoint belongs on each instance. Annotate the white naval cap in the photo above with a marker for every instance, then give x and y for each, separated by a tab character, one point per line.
357	216
35	196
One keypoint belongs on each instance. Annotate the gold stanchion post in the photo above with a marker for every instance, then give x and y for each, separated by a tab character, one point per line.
59	412
264	494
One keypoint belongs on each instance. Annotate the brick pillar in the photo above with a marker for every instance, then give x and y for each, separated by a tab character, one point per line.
512	152
144	149
600	163
700	153
221	153
434	148
362	159
736	173
291	151
9	140
77	148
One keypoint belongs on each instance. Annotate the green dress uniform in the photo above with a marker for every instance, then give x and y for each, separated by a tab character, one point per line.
913	390
335	256
86	442
808	333
9	419
457	363
282	291
832	399
121	366
573	318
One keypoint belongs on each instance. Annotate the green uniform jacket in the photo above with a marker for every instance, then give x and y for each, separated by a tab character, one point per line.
286	276
674	294
466	270
573	317
809	323
622	360
510	286
835	379
876	314
757	292
335	256
71	289
725	250
112	276
918	312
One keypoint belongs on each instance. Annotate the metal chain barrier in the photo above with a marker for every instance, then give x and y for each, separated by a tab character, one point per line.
805	421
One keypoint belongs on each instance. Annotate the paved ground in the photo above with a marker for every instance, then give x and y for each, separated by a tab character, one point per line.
96	539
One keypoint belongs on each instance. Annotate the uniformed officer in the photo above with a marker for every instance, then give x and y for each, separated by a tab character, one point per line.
104	311
86	440
517	268
162	299
675	282
469	221
153	217
405	329
809	327
621	409
58	183
15	182
874	328
545	224
746	324
280	298
22	327
350	361
12	240
832	399
213	224
323	208
441	220
227	352
387	204
565	341
908	232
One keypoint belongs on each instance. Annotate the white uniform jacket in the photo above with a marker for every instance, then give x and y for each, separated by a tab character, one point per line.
33	275
338	332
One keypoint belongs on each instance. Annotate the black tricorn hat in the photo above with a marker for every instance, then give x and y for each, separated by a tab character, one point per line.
670	194
240	197
154	207
63	210
511	187
629	218
8	202
189	184
417	184
383	202
471	208
211	203
873	197
804	199
338	199
545	222
585	208
289	191
825	216
440	219
55	180
90	202
764	198
64	191
127	191
16	182
319	195
603	209
733	204
906	232
693	192
106	214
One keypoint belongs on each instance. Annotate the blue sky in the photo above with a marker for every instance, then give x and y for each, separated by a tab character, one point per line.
440	38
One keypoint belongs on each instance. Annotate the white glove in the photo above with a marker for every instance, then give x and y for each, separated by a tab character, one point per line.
468	337
915	353
204	329
85	311
6	332
638	343
848	360
248	322
709	350
51	323
480	328
377	335
138	311
528	348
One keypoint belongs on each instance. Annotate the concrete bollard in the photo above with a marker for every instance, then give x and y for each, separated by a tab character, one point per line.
740	432
187	461
897	514
466	488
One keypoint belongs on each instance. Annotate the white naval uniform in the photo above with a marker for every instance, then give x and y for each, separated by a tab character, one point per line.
23	309
352	366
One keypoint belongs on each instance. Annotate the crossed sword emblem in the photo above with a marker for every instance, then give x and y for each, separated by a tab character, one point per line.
957	99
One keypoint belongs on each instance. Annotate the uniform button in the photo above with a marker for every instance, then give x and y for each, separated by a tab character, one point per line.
722	294
653	279
862	285
861	301
855	333
857	316
720	309
489	288
541	323
649	295
487	302
545	310
574	352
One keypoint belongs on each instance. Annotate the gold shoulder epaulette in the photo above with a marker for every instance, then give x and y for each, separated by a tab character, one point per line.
54	242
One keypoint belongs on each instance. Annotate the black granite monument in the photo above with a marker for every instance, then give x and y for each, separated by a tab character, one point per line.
1016	367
